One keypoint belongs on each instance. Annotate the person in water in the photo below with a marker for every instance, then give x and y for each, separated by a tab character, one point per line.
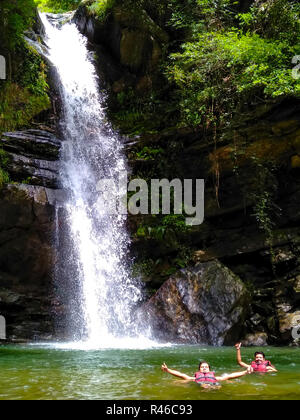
204	377
260	364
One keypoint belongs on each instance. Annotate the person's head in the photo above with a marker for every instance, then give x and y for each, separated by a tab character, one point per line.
204	367
259	357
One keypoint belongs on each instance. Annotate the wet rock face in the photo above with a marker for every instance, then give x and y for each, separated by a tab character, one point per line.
32	143
206	305
27	233
32	157
256	340
27	258
132	43
232	233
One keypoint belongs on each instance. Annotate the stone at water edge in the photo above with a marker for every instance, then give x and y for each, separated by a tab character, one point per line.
206	304
256	340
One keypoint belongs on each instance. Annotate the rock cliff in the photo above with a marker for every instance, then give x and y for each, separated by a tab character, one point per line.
251	172
244	260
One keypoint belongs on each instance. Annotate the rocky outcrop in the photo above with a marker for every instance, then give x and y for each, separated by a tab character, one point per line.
245	195
32	156
27	258
29	203
29	209
256	340
252	181
32	143
207	304
128	42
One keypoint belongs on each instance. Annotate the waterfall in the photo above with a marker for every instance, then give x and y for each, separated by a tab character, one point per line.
95	260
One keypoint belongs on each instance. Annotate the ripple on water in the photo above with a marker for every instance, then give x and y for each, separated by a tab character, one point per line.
48	372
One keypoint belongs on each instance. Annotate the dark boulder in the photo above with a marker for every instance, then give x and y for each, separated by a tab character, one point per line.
27	258
32	156
129	39
256	340
32	143
206	305
35	171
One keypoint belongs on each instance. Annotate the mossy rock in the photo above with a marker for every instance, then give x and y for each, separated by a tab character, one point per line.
137	18
134	49
207	304
127	32
25	95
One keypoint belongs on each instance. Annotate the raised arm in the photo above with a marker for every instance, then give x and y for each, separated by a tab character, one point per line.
239	356
234	375
180	375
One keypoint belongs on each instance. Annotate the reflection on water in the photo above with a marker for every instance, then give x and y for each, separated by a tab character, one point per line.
36	372
127	343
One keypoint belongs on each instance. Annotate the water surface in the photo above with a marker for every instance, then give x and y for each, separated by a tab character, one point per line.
48	372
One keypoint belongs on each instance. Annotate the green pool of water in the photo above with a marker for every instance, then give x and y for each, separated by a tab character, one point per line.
39	372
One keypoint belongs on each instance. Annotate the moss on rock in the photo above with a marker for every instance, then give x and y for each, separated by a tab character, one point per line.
25	93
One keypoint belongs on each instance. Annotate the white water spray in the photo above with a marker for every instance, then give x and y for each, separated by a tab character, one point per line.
91	151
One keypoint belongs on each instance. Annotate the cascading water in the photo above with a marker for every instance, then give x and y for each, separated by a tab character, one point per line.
97	256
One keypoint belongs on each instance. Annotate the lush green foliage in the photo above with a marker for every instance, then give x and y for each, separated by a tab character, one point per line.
138	114
4	177
169	232
160	226
219	69
25	92
57	6
100	7
148	153
19	105
274	19
228	59
199	15
15	17
32	74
